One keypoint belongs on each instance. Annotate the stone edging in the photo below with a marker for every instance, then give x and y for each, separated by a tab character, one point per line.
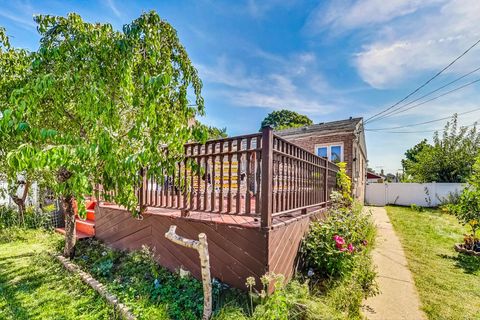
97	286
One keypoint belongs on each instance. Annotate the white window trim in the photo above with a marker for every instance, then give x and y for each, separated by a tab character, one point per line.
329	149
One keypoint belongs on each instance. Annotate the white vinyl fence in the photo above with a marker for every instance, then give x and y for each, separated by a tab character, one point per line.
32	199
4	198
406	194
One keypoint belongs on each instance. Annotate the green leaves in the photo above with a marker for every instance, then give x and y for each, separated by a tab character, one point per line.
448	159
284	119
99	103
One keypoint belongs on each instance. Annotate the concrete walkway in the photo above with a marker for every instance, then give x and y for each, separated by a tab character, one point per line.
398	298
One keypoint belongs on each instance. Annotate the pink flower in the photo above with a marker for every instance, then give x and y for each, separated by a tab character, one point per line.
343	249
339	241
350	247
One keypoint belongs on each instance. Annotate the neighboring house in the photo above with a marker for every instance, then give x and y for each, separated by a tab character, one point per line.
374	178
339	141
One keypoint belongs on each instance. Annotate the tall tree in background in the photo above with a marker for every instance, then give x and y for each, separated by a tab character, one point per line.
449	159
412	153
101	105
284	119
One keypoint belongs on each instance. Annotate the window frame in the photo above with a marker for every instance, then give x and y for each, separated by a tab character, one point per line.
329	149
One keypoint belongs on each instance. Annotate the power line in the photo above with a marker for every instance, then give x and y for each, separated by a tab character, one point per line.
421	123
423	131
394	112
439	96
424	84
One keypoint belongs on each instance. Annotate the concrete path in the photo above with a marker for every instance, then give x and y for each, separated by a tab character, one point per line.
398	298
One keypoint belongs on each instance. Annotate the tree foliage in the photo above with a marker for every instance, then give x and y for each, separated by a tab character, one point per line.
14	70
99	105
213	132
284	119
448	159
468	208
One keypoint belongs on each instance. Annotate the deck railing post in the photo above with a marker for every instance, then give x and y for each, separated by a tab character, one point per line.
141	191
267	177
326	183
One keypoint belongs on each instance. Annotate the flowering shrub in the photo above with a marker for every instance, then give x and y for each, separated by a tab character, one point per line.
329	248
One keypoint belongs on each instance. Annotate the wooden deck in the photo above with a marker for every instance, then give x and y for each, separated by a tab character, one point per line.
253	196
238	246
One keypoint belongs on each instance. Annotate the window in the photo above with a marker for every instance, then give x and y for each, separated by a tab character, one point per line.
333	152
322	152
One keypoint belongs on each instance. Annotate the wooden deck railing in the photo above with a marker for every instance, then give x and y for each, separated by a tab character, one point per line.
259	174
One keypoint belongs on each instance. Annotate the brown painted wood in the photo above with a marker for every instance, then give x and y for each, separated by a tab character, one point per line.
267	176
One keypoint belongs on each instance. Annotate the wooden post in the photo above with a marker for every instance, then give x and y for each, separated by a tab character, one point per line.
141	192
267	176
326	183
202	247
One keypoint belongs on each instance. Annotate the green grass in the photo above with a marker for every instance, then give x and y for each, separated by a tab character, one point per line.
448	282
33	285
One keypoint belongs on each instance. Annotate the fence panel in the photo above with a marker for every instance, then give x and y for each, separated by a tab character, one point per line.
405	194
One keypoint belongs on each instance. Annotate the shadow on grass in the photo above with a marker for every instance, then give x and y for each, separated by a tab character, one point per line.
469	264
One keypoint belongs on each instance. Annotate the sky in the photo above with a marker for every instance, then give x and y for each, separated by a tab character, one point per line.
329	60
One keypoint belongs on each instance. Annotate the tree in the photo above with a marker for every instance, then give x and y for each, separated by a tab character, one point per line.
284	119
101	105
212	132
412	153
449	159
15	69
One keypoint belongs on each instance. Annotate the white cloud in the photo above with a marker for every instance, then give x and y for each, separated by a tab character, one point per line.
422	43
23	19
342	15
292	83
113	7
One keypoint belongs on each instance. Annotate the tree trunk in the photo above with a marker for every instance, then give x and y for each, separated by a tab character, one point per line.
20	201
202	247
70	228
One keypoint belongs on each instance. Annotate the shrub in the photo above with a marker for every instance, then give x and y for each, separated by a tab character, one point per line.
344	185
32	219
330	246
468	208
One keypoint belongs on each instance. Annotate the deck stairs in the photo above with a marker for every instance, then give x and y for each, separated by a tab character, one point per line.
85	228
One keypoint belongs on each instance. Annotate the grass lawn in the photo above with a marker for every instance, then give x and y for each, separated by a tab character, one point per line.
34	286
448	282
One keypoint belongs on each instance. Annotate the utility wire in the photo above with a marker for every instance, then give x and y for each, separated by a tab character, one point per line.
421	123
423	131
397	110
439	96
424	84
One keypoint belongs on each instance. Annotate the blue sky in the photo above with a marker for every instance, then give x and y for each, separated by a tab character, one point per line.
328	60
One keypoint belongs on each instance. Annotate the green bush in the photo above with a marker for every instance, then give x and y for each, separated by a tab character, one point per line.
468	208
329	248
9	218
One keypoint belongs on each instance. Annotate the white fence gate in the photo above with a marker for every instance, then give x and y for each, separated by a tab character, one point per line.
405	194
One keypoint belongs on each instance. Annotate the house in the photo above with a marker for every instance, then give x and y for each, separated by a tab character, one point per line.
338	141
372	177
